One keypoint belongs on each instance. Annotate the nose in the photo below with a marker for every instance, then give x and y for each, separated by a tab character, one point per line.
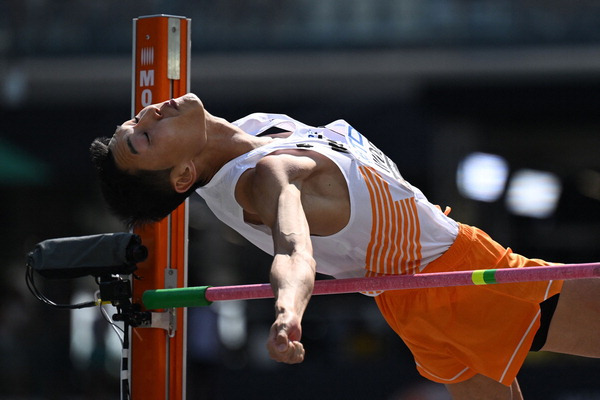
168	108
151	112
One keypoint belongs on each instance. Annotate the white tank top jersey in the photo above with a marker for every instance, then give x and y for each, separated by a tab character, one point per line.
393	229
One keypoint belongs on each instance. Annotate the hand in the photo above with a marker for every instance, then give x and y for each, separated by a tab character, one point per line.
284	340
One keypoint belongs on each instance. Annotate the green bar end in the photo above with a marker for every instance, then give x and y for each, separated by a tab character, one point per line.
173	298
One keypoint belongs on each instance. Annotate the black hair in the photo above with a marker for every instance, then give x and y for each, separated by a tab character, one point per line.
139	197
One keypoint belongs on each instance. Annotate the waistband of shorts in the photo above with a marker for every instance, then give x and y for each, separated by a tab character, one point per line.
456	253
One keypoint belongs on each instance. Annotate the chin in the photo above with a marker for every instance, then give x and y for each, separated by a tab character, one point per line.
191	97
189	102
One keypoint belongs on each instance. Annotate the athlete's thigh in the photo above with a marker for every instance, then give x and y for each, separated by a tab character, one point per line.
576	322
481	387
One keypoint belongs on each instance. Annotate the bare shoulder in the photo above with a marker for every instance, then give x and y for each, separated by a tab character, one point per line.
316	180
290	165
273	172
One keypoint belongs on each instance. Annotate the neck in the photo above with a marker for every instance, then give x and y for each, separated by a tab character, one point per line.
224	142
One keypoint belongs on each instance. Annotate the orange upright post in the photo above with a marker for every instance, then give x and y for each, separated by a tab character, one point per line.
161	54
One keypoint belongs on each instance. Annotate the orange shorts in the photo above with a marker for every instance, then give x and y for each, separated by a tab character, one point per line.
455	333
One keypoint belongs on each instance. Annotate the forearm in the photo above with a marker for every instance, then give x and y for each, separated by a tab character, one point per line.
292	279
293	268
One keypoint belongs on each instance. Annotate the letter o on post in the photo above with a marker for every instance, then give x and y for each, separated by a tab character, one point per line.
146	97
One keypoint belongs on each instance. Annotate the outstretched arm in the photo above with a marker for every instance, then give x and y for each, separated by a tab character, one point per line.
292	278
277	184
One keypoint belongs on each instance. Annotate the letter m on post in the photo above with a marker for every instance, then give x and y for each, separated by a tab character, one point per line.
147	78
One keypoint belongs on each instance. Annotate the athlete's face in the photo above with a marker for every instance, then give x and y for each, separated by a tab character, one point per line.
161	135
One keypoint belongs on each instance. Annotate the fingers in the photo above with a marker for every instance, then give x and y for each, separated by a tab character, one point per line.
291	353
282	349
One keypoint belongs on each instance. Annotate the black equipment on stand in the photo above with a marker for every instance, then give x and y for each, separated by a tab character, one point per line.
110	258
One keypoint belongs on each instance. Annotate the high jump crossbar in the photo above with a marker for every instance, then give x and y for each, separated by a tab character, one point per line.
205	295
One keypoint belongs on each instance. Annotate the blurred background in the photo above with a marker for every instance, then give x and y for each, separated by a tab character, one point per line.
489	106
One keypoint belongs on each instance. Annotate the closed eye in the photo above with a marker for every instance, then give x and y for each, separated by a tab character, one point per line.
137	120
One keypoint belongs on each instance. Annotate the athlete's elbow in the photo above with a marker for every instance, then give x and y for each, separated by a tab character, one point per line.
308	260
